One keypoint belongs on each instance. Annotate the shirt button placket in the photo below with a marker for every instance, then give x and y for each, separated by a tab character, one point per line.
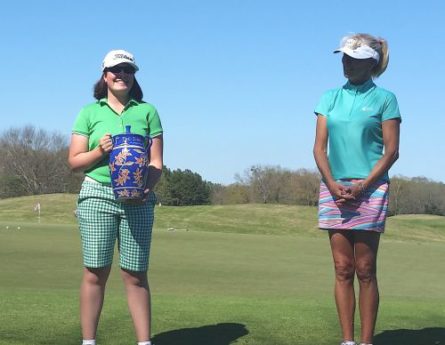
353	103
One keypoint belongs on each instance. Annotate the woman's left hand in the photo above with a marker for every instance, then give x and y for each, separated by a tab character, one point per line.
357	189
142	201
146	193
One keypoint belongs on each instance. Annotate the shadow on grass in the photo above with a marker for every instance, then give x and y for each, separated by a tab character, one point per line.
425	336
219	334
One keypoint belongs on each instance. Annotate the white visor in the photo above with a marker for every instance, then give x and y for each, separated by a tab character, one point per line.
356	50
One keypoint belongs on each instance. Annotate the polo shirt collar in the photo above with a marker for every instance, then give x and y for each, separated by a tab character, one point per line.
361	88
132	101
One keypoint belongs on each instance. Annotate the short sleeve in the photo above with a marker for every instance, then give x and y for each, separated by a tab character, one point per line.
81	125
391	108
324	105
154	124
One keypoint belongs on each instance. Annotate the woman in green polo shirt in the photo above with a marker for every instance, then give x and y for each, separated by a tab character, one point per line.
357	141
102	220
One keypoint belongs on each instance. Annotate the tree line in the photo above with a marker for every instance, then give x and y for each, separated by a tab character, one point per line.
35	162
273	184
269	185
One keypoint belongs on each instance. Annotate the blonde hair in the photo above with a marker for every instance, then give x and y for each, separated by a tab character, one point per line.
380	45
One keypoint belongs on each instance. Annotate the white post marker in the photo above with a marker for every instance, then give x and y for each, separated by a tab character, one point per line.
37	209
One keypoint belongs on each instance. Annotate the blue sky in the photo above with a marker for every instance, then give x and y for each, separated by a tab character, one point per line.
235	82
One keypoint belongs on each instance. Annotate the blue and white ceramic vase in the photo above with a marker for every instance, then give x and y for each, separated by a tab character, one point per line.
128	164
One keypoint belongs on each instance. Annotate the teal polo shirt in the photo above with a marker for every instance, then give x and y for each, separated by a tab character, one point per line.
354	120
97	119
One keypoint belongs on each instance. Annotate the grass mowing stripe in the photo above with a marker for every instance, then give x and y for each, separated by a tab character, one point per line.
249	218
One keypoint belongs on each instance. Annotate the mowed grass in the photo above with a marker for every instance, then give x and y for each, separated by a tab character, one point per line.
245	219
245	274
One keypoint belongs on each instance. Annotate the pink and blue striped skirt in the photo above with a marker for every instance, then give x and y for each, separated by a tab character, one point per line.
366	213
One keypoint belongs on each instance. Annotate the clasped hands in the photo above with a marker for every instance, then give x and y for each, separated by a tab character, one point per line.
343	194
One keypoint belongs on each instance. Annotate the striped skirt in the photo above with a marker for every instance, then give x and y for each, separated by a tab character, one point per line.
366	213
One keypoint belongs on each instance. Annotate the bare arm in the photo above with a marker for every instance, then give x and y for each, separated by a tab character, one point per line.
80	159
321	158
391	135
156	162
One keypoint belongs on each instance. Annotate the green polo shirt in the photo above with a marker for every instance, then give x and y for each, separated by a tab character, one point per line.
354	120
97	119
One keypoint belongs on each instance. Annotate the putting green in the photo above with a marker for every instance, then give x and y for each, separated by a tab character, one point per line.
261	282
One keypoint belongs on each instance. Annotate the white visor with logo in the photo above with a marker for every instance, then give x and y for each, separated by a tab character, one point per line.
357	50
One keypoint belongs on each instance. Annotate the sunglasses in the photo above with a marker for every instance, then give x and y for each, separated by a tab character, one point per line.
120	69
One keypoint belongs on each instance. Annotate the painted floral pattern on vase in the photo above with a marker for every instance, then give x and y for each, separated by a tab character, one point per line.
129	161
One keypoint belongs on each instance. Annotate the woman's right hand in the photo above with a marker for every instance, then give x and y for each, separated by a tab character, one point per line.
340	193
105	144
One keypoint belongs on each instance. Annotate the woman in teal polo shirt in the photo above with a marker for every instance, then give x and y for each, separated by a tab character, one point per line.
102	220
357	141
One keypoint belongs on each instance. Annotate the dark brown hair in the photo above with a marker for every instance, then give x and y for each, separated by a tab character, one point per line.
101	90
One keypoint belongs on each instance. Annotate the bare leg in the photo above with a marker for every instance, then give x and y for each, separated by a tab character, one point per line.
366	247
138	296
92	291
342	247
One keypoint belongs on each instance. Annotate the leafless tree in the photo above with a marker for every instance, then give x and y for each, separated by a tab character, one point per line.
35	158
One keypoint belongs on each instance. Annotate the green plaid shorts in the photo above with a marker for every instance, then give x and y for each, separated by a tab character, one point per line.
102	220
